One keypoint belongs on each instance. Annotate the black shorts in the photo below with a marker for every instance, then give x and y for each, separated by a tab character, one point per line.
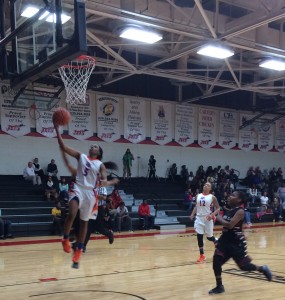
235	249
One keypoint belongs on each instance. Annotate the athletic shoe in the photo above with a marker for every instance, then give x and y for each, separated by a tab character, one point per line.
77	255
111	238
201	259
75	265
267	273
217	290
66	245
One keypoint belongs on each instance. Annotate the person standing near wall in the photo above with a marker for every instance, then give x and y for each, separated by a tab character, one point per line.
127	163
151	168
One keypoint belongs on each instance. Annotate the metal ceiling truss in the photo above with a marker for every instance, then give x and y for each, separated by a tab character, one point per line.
193	33
185	29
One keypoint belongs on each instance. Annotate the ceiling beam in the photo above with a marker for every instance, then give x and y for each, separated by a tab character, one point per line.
274	16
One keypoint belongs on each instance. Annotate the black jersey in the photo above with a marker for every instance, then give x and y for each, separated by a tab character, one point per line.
236	232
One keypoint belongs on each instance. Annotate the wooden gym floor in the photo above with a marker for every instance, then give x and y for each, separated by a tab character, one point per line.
142	265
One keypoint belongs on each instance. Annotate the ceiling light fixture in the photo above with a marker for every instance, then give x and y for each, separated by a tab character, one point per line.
140	35
216	52
273	64
29	12
47	16
52	18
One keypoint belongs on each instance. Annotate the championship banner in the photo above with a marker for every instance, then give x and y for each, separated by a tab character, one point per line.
16	121
207	124
108	123
161	122
265	136
134	120
44	124
81	124
228	129
184	124
248	135
280	135
7	95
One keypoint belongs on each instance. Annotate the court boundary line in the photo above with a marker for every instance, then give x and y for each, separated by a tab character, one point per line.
129	235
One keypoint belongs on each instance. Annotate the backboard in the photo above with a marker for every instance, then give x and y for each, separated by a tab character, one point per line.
44	34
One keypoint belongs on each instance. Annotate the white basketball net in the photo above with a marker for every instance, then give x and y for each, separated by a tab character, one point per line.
75	77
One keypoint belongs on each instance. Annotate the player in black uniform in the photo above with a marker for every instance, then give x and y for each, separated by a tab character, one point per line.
232	243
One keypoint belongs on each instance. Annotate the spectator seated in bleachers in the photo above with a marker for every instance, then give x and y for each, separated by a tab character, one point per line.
249	176
264	202
38	170
52	169
50	189
223	201
188	200
63	189
57	220
257	178
5	229
30	175
277	210
274	180
123	218
190	179
117	199
200	173
144	213
281	193
253	194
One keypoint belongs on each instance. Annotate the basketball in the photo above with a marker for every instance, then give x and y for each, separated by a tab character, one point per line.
61	117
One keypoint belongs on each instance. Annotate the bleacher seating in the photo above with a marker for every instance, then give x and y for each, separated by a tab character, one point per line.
30	214
23	204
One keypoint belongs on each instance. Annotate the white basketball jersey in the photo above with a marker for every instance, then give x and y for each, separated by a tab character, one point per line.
87	171
204	204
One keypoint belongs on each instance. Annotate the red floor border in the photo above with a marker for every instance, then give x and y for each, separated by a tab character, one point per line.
128	235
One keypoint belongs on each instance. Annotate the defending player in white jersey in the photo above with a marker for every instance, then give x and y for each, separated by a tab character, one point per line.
204	223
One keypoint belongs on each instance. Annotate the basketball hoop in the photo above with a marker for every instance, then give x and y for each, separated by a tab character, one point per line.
75	77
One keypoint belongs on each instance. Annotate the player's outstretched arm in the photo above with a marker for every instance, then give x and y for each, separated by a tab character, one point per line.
70	168
62	145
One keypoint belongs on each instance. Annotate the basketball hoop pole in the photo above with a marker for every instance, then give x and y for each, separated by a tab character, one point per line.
3	52
58	25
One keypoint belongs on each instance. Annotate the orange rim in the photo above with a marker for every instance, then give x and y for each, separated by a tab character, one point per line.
80	58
